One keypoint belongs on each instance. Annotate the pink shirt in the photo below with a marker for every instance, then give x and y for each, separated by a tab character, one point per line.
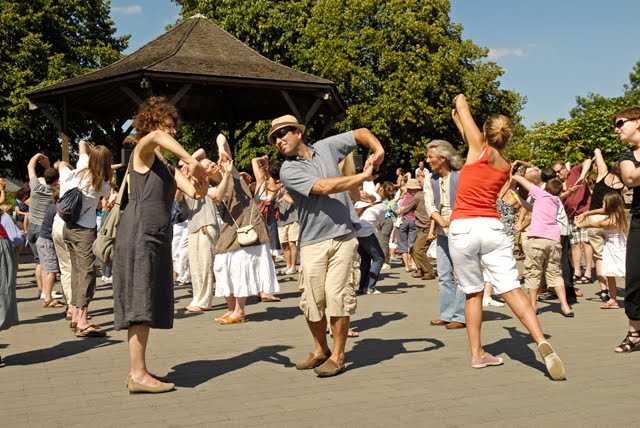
544	217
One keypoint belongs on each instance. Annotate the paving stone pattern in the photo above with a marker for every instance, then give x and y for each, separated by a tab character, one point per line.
401	371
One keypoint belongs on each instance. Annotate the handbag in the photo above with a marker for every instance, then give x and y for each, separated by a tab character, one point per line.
245	235
104	245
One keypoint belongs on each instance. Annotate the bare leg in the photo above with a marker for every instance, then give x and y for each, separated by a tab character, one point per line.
588	259
319	332
39	275
562	296
286	251
601	278
48	280
238	310
613	290
340	329
293	251
533	298
473	316
81	318
138	337
407	260
520	306
576	257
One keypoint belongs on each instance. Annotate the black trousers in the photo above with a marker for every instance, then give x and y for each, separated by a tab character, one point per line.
632	280
567	269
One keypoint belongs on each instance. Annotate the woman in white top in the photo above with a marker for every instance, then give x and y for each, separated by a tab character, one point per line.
92	175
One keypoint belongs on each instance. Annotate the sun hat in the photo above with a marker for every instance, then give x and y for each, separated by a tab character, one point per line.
283	122
413	184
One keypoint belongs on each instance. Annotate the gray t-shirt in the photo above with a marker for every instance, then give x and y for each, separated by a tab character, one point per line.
321	217
288	213
200	212
40	200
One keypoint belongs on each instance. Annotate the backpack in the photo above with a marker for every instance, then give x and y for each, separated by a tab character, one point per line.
69	206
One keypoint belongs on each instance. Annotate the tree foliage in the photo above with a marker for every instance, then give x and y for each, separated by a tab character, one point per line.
397	63
588	127
43	42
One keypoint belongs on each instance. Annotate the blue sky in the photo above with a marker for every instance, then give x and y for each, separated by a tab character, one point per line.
551	50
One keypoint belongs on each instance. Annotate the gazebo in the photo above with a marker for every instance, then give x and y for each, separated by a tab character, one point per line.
205	71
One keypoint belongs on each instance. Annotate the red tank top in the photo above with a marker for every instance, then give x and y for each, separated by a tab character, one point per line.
478	189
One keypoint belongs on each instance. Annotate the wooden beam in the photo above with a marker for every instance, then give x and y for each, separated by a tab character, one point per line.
181	92
65	131
291	104
131	93
312	110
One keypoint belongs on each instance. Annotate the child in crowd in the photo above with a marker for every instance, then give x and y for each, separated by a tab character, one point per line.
47	251
615	227
544	248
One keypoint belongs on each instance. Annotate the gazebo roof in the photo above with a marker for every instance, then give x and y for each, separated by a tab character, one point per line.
217	76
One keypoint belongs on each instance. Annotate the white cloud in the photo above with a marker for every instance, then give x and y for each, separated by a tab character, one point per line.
128	10
502	52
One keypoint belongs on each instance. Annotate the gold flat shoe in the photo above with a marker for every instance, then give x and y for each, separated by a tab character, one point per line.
135	387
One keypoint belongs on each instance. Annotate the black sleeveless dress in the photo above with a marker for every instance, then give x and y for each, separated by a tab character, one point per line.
142	266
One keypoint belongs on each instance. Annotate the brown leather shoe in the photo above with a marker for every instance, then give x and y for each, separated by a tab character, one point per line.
438	322
455	325
417	275
313	361
428	277
328	369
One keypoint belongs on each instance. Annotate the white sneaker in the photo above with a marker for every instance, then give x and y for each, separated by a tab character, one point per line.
107	279
290	271
57	295
491	302
374	291
386	266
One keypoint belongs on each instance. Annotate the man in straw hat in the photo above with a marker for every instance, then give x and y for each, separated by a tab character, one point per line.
328	224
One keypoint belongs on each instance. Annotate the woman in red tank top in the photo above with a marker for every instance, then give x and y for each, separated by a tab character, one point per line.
477	237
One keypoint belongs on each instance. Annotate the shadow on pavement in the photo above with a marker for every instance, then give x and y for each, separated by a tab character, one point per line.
517	348
494	316
274	313
194	373
368	352
377	319
59	351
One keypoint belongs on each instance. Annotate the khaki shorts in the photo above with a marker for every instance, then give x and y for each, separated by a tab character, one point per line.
596	236
289	232
327	278
543	258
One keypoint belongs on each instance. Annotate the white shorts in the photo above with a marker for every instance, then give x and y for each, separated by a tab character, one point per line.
478	242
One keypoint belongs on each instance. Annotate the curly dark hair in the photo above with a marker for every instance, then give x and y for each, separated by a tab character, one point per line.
153	114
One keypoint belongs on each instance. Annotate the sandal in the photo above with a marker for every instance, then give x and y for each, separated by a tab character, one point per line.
612	305
51	304
627	344
86	332
580	279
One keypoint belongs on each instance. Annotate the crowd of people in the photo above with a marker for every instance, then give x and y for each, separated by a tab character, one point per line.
204	223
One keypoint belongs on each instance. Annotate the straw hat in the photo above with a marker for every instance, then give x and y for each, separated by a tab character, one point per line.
413	184
283	122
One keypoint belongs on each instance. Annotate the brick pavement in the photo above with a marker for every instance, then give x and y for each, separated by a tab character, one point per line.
401	370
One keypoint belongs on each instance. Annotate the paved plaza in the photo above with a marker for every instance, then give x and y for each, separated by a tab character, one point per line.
401	371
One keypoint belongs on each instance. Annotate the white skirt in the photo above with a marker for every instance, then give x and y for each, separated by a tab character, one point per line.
245	272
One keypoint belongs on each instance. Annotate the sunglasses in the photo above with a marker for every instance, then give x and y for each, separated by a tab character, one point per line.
281	133
620	122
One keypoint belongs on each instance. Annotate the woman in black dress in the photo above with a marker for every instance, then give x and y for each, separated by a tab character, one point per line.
142	280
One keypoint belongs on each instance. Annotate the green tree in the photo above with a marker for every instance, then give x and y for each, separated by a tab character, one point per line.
397	63
588	127
43	42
